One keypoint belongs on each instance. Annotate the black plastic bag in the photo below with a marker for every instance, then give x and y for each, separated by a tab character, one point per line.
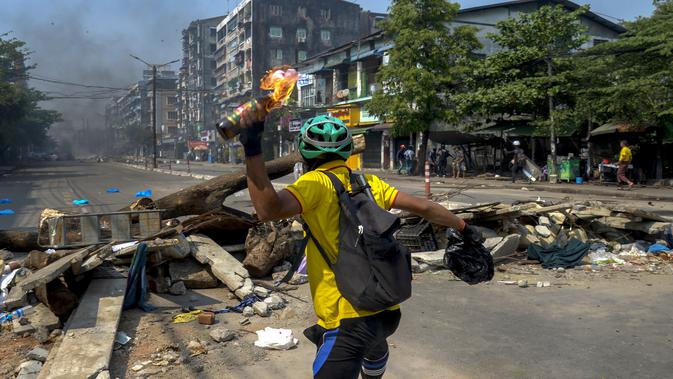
468	260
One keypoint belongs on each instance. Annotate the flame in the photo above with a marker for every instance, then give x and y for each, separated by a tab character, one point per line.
281	80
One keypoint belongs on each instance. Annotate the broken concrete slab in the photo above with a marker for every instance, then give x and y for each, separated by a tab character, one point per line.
223	265
275	302
506	247
178	251
418	268
41	317
29	369
177	289
432	258
96	258
543	231
261	309
192	273
222	334
490	243
89	336
38	354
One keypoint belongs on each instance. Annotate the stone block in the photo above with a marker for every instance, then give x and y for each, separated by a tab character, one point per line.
192	274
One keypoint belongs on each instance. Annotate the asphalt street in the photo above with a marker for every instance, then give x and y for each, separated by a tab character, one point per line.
598	328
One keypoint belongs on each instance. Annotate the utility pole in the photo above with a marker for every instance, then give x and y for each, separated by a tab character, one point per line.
154	116
154	103
552	126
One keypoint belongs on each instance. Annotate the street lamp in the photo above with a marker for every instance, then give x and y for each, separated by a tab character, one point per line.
154	103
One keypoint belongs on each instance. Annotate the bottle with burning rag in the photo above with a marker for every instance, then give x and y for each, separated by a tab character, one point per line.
280	81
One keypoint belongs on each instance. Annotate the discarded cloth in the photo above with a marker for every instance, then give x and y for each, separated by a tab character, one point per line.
137	287
246	302
146	193
112	190
275	339
6	212
658	248
80	202
186	317
5	279
556	256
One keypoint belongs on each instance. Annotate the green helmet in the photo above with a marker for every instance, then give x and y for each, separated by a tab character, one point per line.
325	134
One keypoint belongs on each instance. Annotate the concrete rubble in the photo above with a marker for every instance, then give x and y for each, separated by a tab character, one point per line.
184	257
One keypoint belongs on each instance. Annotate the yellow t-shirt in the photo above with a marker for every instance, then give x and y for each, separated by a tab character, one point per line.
320	210
625	155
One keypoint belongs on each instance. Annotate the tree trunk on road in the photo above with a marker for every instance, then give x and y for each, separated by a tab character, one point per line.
13	240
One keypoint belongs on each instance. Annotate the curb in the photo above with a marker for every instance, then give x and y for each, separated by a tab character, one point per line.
633	195
167	172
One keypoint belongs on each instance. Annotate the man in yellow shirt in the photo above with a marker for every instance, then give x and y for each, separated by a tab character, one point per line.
625	159
350	341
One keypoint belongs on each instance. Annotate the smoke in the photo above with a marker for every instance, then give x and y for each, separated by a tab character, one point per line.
90	41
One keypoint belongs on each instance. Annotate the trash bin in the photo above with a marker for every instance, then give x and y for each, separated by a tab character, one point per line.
569	169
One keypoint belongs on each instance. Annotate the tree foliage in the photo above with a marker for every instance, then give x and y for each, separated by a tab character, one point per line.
426	64
22	122
533	64
631	79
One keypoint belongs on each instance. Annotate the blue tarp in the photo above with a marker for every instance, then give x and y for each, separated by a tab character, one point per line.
6	212
80	202
146	193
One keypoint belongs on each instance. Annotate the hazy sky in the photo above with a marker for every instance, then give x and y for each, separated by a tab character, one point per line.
89	41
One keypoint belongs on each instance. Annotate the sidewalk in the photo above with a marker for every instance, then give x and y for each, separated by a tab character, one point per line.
637	193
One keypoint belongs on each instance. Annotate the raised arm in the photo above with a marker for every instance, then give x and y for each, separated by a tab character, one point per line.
269	204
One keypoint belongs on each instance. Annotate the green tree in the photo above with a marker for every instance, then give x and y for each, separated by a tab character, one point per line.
23	124
426	66
530	75
631	79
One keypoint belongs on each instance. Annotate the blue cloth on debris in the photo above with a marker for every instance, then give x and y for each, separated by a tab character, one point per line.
80	202
137	287
658	248
146	193
246	302
555	255
6	212
112	190
5	201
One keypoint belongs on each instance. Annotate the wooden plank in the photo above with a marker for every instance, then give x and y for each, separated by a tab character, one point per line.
89	335
649	227
548	209
645	215
44	275
505	212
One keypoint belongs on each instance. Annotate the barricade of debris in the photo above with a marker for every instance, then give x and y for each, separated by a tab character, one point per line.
591	234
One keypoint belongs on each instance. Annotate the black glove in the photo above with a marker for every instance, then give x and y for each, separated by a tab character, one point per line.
472	235
251	139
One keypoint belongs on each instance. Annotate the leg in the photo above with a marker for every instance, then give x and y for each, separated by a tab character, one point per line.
375	361
514	169
339	355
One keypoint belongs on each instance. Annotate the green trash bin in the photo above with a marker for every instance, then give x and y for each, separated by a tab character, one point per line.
569	169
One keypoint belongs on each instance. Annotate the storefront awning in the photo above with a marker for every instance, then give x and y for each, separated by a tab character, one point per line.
618	128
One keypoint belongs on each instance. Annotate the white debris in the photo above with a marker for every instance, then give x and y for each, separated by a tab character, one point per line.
275	339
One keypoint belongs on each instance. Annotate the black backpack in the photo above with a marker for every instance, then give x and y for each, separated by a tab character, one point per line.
372	270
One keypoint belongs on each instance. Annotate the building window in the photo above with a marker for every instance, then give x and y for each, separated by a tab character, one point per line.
308	96
221	34
213	82
301	12
325	14
276	32
301	35
301	55
213	64
278	54
171	100
213	47
325	35
172	115
276	10
213	32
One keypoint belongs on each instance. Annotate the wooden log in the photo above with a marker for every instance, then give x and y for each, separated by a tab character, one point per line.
15	240
208	196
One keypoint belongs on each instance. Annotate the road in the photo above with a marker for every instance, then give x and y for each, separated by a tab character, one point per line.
56	184
591	328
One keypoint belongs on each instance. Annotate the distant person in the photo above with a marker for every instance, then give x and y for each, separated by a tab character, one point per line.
442	160
625	158
458	164
432	158
409	157
518	161
400	159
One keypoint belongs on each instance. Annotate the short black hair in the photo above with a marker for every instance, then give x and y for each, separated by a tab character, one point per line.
322	159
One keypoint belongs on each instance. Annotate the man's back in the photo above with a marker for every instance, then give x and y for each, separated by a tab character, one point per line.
320	210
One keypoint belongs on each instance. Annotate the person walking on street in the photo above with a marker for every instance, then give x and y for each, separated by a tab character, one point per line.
350	341
400	159
518	161
458	164
625	158
442	160
409	156
432	158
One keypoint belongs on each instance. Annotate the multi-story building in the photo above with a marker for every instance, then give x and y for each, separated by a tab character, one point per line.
135	109
260	34
196	100
340	81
